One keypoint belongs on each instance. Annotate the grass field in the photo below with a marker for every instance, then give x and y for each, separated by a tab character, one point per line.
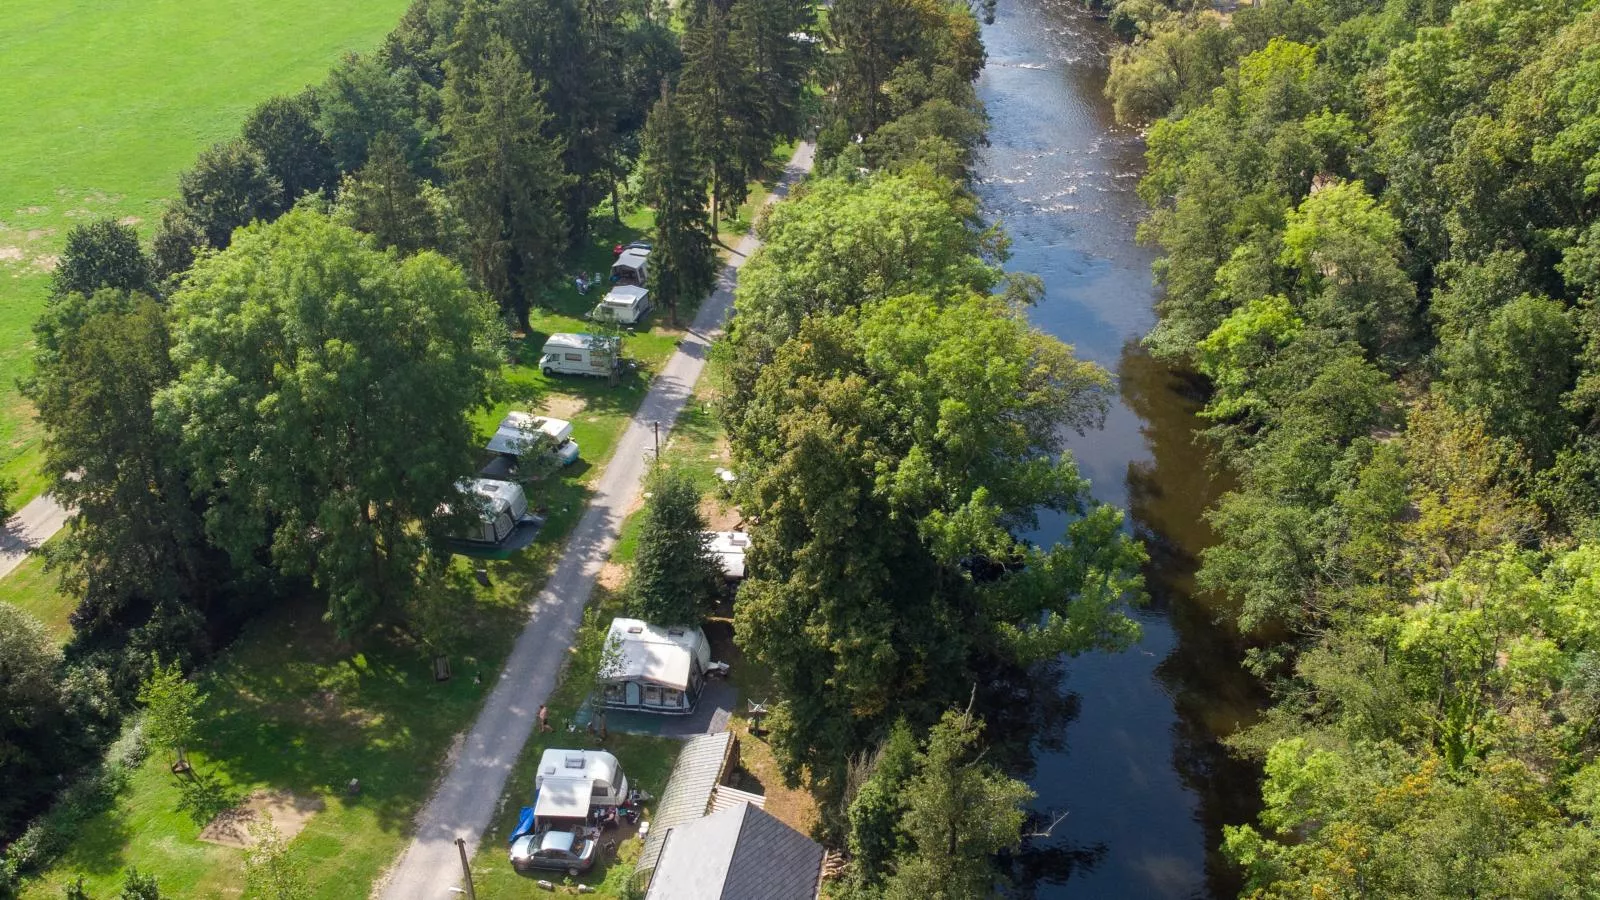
105	101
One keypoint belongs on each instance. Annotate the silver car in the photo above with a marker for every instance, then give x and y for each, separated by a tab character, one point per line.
557	849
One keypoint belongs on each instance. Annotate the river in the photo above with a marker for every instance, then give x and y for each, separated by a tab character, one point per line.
1128	749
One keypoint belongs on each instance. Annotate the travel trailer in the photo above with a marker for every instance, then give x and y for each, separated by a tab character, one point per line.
625	305
502	512
653	669
569	783
632	266
520	431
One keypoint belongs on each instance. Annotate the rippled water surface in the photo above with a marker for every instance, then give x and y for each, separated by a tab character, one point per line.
1128	747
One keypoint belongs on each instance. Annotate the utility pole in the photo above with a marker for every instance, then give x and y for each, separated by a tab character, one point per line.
657	427
466	870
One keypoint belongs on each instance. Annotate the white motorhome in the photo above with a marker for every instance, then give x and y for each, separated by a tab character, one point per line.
571	782
579	354
653	669
626	304
520	431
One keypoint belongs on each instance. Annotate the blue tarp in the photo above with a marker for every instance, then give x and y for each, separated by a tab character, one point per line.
524	824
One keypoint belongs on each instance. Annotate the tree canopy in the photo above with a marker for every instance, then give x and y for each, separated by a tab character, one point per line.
322	396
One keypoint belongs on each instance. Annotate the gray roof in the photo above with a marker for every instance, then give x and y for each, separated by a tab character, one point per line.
689	789
740	853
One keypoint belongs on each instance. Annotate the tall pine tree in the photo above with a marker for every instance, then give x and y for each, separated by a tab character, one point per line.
505	175
725	112
684	262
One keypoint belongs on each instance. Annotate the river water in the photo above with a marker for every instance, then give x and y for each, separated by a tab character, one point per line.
1128	749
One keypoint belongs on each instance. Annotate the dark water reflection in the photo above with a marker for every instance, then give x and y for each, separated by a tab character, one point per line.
1125	744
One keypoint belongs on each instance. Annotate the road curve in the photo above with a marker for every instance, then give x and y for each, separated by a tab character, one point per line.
430	868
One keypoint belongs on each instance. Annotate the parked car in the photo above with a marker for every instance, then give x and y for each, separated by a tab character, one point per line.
558	849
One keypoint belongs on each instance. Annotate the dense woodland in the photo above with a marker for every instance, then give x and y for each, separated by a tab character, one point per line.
1379	225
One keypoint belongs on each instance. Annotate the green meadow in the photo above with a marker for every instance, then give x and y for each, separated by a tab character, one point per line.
105	101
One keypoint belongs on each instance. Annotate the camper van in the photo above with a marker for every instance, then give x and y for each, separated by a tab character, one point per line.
579	354
632	265
625	305
520	431
503	508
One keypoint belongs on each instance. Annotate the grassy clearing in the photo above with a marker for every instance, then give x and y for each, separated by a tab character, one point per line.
105	101
39	593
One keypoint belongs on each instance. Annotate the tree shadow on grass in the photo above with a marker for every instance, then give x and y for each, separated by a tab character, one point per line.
204	797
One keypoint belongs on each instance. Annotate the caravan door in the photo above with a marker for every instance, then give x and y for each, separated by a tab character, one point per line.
633	698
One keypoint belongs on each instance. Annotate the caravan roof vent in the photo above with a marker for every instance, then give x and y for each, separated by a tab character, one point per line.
575	762
674	632
549	770
636	629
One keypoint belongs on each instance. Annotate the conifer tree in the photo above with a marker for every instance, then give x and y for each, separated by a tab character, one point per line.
505	176
387	200
721	106
674	574
683	263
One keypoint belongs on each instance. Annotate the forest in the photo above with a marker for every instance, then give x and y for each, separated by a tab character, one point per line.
1379	225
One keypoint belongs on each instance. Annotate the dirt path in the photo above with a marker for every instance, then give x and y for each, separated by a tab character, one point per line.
36	522
430	868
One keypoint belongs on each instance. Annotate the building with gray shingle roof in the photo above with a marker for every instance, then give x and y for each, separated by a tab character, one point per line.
738	853
690	789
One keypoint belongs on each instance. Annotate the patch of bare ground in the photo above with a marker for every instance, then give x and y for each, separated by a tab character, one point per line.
289	812
613	577
758	774
10	254
564	406
721	516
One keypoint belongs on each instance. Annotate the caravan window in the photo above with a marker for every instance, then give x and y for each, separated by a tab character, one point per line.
613	693
574	357
597	362
652	695
672	697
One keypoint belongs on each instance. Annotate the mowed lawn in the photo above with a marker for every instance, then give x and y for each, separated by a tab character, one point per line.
105	101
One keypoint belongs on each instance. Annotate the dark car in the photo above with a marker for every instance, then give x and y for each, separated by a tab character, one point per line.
558	849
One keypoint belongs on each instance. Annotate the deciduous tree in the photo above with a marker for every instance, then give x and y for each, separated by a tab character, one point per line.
323	396
171	708
101	254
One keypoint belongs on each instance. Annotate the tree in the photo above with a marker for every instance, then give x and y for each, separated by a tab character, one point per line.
33	717
136	557
361	99
171	708
323	397
505	176
683	263
137	886
284	131
387	200
228	187
674	574
722	108
271	871
891	451
950	813
101	254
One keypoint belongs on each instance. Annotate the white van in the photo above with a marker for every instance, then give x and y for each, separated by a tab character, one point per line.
520	431
625	305
579	354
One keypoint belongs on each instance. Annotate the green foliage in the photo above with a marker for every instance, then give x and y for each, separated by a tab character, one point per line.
388	201
506	177
284	131
675	576
136	886
33	715
171	707
380	359
723	109
271	870
956	812
101	254
891	450
875	813
229	186
683	261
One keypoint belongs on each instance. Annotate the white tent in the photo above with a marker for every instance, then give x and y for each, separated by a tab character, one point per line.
519	430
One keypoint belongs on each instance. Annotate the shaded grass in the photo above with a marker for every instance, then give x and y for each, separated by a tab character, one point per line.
39	593
105	101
